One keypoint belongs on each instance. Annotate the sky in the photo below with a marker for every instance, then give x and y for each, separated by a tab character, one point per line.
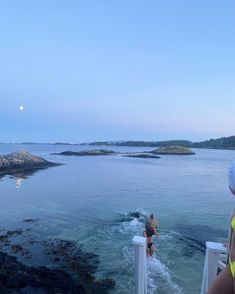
116	70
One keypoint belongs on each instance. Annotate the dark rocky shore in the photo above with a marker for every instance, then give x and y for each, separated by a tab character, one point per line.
66	267
22	161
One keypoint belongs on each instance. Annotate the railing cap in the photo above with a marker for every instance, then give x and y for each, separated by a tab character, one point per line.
139	241
216	246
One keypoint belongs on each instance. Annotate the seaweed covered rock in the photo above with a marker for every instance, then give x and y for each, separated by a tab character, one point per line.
64	260
16	277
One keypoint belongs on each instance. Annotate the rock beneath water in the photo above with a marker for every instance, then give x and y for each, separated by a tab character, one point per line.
30	220
141	155
201	233
173	150
67	257
86	153
23	278
19	161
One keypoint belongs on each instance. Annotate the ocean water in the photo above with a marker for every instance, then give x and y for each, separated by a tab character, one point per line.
91	200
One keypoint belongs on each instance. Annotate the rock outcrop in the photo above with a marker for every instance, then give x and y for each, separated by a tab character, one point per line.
19	161
173	150
86	153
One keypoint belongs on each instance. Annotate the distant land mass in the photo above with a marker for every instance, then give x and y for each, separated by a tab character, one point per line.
220	143
184	143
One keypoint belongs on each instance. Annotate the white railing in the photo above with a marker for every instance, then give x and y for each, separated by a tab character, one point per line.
215	259
140	264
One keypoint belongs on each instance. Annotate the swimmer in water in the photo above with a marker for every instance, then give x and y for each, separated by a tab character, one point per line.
151	227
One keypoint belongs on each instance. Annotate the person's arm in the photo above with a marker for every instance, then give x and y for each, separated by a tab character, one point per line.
224	282
156	233
232	247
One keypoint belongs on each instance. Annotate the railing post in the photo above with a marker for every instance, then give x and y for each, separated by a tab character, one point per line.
213	251
140	264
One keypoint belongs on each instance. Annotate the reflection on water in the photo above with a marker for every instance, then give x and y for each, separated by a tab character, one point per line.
19	182
19	176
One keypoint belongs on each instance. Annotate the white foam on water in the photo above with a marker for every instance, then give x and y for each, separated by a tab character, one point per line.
134	226
156	269
142	213
158	275
135	222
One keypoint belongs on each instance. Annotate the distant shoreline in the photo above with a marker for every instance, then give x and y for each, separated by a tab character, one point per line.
223	143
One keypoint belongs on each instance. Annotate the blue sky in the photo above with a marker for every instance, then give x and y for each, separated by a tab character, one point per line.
113	70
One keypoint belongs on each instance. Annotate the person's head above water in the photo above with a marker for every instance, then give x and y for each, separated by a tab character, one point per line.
231	178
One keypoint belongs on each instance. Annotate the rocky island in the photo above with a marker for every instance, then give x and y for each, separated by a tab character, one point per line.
173	150
170	150
21	161
99	152
86	152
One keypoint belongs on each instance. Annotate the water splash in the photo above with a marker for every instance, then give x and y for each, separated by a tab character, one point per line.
140	214
156	270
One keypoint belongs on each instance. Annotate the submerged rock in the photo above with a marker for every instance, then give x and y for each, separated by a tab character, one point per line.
19	278
23	160
68	268
130	216
30	220
141	155
71	257
86	152
201	233
173	150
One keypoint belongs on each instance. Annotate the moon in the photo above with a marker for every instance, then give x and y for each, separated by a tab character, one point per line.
21	108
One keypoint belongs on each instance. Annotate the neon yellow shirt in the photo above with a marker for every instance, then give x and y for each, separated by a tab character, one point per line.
233	223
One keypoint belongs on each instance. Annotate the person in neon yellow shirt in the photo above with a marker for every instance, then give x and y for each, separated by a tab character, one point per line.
225	281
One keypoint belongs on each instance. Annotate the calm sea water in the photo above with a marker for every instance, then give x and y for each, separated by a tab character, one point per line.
89	200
